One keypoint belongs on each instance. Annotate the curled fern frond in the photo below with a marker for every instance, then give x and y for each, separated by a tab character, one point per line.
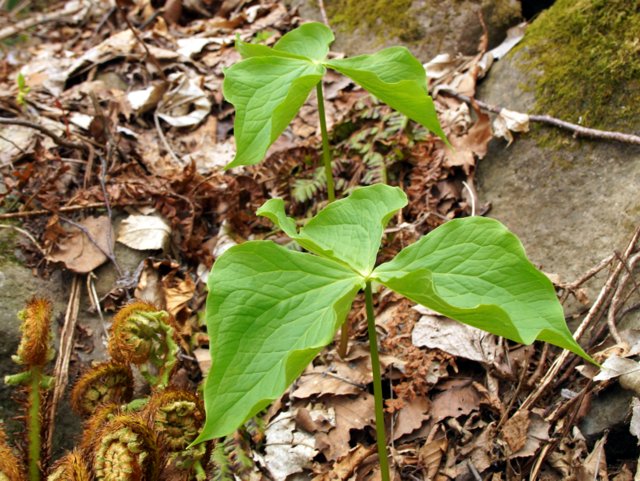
176	416
72	467
93	426
107	382
11	468
144	335
126	450
35	344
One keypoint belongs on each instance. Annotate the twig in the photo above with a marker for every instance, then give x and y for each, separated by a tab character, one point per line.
22	151
70	208
323	12
61	370
26	234
57	139
164	140
588	275
593	313
617	300
150	56
578	130
105	18
472	197
473	469
41	18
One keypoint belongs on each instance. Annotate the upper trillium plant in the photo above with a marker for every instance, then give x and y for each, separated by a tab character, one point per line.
270	85
271	310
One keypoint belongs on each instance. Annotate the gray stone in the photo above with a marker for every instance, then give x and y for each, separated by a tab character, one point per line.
426	27
17	285
610	409
571	202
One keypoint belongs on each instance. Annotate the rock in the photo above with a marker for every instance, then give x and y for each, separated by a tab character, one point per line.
17	286
611	409
426	27
571	202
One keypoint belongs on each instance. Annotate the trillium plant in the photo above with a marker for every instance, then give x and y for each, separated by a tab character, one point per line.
270	85
270	309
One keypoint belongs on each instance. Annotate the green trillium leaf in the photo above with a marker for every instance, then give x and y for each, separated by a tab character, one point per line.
397	78
310	40
267	92
349	230
269	312
249	50
475	271
270	85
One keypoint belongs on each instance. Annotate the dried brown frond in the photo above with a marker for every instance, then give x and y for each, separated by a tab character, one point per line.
71	467
11	468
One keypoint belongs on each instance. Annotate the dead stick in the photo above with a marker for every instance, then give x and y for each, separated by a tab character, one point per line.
27	23
61	370
605	293
578	130
150	56
70	208
32	125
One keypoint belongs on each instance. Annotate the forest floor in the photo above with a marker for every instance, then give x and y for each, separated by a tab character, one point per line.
124	119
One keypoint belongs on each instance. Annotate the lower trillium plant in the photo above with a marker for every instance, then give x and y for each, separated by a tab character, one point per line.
270	309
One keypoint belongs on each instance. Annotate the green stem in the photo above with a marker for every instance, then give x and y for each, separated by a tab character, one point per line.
326	152
34	429
377	385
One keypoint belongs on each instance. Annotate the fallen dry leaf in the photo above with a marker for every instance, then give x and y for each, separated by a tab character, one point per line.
185	104
345	468
455	338
537	433
514	432
410	417
430	455
288	450
509	121
595	466
144	232
459	397
339	378
351	413
78	253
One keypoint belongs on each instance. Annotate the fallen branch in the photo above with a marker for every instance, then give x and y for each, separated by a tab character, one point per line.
578	130
71	208
39	19
594	313
32	125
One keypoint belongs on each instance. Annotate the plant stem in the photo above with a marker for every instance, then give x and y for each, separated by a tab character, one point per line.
377	385
33	431
326	152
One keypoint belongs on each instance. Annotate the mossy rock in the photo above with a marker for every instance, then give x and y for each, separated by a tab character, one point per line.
426	27
572	202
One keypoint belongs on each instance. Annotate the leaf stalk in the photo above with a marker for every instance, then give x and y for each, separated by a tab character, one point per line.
326	151
381	439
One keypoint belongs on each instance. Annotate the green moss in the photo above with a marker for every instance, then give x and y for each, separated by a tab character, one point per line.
397	17
585	57
8	238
